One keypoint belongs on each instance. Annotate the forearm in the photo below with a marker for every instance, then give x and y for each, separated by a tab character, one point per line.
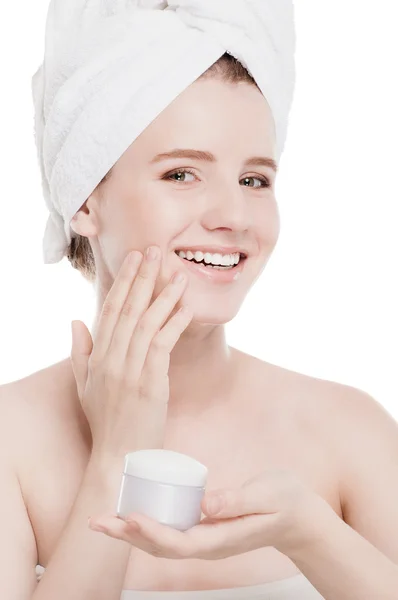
342	565
87	565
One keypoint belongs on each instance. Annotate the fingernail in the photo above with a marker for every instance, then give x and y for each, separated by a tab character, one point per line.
178	277
134	257
96	527
215	504
133	523
152	252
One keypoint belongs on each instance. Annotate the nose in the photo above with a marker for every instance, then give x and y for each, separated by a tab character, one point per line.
227	208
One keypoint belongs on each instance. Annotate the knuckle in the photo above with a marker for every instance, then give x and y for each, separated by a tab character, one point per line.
143	275
127	308
108	308
143	391
141	327
159	343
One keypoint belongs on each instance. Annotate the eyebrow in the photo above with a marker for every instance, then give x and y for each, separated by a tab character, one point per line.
262	161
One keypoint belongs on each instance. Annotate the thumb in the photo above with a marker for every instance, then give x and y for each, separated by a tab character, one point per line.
82	346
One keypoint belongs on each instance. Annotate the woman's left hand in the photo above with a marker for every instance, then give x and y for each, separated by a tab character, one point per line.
272	509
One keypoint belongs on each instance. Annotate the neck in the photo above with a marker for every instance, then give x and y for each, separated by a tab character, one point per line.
202	370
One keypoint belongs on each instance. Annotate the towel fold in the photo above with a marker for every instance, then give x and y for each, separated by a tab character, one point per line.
111	67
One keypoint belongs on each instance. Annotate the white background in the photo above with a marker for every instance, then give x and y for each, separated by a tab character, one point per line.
326	304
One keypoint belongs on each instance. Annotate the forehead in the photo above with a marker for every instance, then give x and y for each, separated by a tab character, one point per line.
214	113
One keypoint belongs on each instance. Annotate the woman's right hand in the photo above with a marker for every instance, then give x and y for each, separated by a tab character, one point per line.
122	378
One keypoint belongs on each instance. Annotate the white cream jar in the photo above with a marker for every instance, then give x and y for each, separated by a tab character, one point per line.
165	485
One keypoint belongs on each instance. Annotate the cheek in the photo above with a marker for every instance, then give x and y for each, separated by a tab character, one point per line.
150	219
268	224
166	214
141	213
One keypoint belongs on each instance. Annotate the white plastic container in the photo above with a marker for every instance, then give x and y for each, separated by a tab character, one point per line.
165	485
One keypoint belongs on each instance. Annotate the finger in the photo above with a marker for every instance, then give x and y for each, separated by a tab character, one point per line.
113	304
147	340
169	335
157	361
261	494
115	526
128	532
166	540
82	346
234	536
247	500
146	534
213	539
137	302
155	373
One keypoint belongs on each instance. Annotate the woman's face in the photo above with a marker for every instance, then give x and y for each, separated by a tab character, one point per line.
225	202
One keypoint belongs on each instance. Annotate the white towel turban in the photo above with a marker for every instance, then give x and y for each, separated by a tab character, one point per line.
110	68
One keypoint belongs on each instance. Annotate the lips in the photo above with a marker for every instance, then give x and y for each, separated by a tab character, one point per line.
214	275
202	262
214	250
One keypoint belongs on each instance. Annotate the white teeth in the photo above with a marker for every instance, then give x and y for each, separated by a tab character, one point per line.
208	258
198	256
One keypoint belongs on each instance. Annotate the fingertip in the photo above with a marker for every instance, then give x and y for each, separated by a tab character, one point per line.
133	524
97	527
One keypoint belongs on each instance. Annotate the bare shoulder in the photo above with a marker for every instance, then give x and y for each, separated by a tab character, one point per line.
51	389
353	422
308	396
39	410
35	398
365	448
349	414
49	379
338	403
48	446
364	431
344	413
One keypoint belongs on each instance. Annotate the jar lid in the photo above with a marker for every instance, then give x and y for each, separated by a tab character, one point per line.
166	466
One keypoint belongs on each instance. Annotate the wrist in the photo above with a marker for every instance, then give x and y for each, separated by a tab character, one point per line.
105	469
313	522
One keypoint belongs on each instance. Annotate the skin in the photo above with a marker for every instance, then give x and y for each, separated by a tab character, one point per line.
246	416
138	207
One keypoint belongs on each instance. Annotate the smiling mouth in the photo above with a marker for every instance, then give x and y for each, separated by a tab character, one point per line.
211	266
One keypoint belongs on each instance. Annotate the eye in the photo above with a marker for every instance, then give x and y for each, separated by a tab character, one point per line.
181	176
181	173
264	183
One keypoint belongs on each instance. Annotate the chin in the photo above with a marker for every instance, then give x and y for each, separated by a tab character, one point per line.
211	316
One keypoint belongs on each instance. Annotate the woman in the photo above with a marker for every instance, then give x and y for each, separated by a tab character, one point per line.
297	456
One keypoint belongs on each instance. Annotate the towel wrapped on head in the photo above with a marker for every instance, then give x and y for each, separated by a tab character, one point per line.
112	66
